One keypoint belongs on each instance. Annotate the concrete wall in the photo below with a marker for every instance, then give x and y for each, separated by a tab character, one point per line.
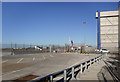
109	30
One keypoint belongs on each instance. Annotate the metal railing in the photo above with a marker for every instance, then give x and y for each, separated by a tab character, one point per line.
69	73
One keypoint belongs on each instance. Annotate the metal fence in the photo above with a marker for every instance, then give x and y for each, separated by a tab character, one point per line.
31	47
15	45
69	73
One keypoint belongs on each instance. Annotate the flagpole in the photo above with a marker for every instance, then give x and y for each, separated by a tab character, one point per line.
69	42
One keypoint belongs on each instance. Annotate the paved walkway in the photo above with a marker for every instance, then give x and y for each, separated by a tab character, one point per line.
92	72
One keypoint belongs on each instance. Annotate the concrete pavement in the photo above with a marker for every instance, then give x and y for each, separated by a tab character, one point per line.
39	64
96	72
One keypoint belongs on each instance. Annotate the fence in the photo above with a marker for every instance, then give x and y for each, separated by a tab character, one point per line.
26	48
15	45
69	73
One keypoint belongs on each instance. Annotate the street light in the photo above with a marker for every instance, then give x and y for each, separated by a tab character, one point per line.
84	33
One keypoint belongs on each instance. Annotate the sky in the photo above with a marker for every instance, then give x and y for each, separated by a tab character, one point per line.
51	22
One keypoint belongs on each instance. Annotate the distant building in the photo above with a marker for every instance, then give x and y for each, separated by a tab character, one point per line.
109	30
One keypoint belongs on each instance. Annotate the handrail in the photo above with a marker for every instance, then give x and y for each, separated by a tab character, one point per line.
69	71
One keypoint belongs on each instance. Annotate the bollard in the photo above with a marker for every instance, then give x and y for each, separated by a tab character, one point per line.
81	69
65	76
69	51
73	78
76	51
80	51
88	52
85	51
51	78
65	51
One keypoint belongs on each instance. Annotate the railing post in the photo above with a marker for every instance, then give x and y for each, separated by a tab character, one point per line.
65	75
101	57
81	68
98	59
51	78
90	62
73	78
86	65
94	60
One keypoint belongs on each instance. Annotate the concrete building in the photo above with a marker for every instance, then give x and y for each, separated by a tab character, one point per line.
109	30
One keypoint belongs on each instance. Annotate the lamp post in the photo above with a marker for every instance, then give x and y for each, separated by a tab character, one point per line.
84	33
